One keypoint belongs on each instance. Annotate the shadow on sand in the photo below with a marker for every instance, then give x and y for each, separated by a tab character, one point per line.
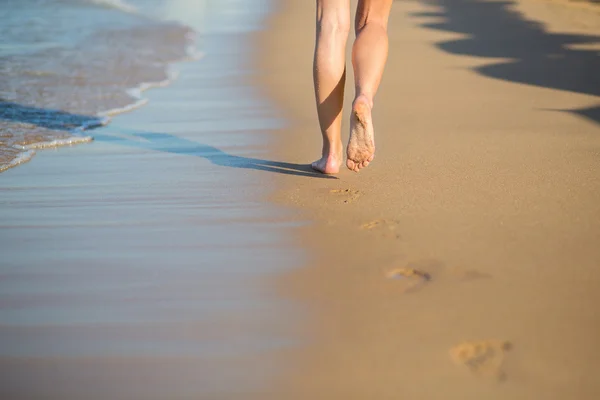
168	143
163	142
537	57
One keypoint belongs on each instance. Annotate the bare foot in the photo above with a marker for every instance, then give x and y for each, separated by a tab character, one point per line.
361	146
328	164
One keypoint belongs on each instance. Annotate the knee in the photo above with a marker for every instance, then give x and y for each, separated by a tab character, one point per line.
334	24
372	19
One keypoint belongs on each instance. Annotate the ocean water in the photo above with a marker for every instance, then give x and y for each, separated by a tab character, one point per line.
140	265
68	65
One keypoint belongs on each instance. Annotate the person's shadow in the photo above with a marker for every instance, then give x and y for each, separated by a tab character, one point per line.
532	55
168	143
164	142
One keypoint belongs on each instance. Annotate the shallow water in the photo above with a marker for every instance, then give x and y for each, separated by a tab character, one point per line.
65	64
138	266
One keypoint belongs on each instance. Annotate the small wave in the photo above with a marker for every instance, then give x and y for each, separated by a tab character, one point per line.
136	94
21	158
192	54
70	141
139	56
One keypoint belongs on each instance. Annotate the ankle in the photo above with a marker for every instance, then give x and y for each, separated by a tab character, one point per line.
332	150
363	98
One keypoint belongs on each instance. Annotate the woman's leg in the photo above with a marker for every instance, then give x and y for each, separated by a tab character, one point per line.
329	73
369	55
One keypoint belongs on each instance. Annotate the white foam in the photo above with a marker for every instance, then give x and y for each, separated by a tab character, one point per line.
70	141
137	94
192	54
27	151
20	159
73	140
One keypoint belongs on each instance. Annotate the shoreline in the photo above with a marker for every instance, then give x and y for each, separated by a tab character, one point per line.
476	184
59	119
153	246
78	135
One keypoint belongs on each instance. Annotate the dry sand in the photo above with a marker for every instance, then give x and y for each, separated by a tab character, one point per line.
485	192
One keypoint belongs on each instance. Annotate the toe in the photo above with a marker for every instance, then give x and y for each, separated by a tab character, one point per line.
350	164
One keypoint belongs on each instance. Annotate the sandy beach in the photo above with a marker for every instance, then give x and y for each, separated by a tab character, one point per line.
189	252
464	262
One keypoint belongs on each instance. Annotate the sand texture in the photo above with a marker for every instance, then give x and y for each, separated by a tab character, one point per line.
485	187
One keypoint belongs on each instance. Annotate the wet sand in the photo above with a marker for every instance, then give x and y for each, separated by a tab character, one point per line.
136	267
463	263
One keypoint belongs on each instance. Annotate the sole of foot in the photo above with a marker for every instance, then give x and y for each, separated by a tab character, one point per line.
361	146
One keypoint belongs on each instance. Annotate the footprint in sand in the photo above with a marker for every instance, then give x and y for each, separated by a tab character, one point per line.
465	275
411	279
385	226
449	273
483	358
348	195
415	274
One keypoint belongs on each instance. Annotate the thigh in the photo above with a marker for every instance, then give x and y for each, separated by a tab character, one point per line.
372	11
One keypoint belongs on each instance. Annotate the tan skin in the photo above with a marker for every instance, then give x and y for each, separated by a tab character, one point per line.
369	55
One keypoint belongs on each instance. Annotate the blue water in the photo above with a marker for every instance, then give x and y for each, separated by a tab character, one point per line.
65	63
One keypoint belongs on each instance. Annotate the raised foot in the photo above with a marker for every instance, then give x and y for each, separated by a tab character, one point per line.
361	146
327	165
